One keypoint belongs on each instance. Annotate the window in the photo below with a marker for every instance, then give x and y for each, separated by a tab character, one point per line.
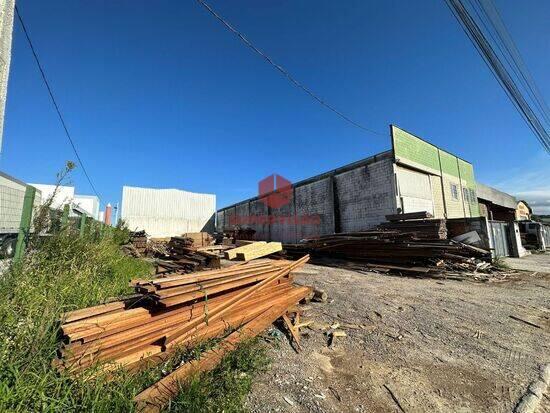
466	194
454	191
473	196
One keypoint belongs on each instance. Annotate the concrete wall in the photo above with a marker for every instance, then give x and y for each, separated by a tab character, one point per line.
352	198
315	199
496	197
365	195
259	216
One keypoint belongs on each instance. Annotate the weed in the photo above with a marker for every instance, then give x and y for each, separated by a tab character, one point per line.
65	272
225	388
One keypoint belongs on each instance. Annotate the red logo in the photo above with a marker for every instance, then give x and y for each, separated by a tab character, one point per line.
276	196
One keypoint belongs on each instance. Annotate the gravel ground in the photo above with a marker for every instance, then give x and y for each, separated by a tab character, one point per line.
533	262
412	345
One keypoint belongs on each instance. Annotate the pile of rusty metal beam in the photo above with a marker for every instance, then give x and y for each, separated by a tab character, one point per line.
177	312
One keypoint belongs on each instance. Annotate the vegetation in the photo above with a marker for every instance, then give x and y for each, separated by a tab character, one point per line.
67	272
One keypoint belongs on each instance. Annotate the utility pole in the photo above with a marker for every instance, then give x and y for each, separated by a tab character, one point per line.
6	30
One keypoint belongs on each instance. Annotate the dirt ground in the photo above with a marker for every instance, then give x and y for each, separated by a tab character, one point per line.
412	345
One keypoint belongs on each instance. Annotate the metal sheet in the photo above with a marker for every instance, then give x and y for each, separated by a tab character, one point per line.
167	212
499	234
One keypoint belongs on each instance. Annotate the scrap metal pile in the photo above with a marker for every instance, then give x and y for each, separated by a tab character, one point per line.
176	312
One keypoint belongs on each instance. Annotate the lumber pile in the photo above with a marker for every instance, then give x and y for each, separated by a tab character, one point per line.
198	239
253	250
231	254
181	256
395	251
176	312
139	240
409	216
425	229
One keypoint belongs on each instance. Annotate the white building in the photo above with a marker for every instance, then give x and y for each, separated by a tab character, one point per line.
167	212
89	203
63	195
66	195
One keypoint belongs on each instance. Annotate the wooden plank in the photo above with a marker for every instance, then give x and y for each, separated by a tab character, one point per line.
409	215
132	341
171	292
260	251
292	331
154	398
159	326
232	254
92	311
189	327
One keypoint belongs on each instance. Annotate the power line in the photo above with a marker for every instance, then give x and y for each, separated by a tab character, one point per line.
283	71
50	92
497	68
493	15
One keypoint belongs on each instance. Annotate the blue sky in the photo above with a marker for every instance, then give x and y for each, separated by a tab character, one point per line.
161	95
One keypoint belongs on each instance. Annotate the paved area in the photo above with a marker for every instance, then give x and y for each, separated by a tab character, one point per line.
533	262
412	345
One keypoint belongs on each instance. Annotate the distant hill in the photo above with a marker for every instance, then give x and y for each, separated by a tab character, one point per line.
541	218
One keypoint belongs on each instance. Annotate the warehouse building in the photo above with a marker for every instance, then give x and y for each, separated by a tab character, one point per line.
414	176
167	212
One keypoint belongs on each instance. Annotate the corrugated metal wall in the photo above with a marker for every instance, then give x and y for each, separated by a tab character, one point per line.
167	212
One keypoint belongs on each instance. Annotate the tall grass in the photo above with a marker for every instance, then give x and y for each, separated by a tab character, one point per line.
66	272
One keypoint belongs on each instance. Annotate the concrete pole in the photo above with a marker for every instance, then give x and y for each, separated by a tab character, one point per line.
6	30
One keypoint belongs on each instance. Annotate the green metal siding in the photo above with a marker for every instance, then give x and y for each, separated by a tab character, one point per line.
449	163
414	149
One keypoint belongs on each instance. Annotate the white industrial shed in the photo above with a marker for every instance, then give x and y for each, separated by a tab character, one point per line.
167	212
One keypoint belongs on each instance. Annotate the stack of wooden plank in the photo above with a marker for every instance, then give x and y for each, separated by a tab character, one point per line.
424	229
253	250
198	239
182	256
174	312
139	240
394	250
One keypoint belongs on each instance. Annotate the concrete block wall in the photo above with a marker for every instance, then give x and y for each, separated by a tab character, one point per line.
282	226
314	204
259	219
352	198
365	195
